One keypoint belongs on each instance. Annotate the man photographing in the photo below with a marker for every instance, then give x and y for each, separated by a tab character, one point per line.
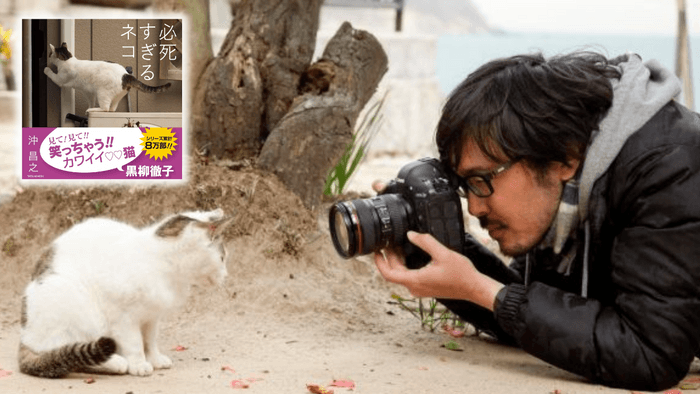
587	172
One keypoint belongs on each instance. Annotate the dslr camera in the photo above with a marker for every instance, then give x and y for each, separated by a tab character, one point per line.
421	199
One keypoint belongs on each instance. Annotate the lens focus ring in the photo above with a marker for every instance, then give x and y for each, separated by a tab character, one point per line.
399	219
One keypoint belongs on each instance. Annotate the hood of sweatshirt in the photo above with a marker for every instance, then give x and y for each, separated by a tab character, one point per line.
643	89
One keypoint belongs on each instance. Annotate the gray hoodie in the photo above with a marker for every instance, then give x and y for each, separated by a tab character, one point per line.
642	90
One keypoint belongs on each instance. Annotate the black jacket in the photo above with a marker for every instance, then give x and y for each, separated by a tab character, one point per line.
639	327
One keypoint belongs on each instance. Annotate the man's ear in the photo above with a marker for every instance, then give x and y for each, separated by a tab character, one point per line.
568	170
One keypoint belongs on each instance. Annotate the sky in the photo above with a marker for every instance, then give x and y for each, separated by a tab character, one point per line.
628	17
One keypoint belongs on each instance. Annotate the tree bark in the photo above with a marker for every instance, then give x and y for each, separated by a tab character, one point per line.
260	99
310	139
251	84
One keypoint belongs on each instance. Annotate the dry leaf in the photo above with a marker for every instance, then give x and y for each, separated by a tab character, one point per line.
343	383
227	368
239	384
689	386
317	389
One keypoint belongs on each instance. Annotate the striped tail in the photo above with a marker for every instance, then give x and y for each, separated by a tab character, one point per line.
129	81
60	362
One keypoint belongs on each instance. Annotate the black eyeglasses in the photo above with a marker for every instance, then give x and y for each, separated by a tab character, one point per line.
480	184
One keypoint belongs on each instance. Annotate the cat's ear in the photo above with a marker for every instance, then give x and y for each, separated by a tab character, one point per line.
173	227
217	228
215	215
53	50
63	45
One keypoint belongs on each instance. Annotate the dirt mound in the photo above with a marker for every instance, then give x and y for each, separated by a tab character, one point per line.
281	256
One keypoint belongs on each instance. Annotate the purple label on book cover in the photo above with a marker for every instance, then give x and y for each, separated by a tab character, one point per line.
153	153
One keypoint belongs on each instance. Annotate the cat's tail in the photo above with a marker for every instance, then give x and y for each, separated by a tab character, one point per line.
60	362
129	81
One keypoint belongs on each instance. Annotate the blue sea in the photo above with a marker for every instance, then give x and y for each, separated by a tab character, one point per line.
459	55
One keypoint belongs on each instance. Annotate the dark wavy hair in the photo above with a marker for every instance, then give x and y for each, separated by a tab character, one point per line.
528	107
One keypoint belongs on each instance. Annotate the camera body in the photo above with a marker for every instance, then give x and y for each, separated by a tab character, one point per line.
421	198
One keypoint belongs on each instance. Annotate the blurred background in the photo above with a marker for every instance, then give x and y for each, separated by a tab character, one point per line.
432	46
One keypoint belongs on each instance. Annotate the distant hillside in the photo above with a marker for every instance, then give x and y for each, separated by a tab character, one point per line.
419	17
444	17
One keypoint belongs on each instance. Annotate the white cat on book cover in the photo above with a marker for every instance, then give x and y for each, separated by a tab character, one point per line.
99	291
104	83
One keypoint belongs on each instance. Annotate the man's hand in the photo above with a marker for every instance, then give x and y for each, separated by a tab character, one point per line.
378	186
448	275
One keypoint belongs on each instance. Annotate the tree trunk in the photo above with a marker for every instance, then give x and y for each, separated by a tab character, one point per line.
241	104
250	85
313	136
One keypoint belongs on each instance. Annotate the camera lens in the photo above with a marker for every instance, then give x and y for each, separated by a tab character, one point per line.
340	229
368	225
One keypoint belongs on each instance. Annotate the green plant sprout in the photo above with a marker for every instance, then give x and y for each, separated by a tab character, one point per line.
98	205
355	152
8	247
432	315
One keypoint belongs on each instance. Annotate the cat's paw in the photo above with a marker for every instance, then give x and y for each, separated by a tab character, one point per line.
140	368
116	364
160	361
47	71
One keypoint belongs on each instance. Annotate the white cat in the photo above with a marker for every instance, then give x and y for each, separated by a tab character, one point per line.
104	83
97	294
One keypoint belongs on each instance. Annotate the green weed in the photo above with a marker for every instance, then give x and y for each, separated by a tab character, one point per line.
355	152
431	314
98	205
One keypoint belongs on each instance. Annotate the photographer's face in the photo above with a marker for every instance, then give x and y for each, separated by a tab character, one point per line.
523	203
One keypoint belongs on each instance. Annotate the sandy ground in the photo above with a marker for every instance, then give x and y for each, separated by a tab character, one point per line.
292	313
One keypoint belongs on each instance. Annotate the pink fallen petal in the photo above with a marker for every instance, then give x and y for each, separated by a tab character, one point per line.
422	368
239	384
453	331
227	368
89	380
343	383
4	374
179	348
